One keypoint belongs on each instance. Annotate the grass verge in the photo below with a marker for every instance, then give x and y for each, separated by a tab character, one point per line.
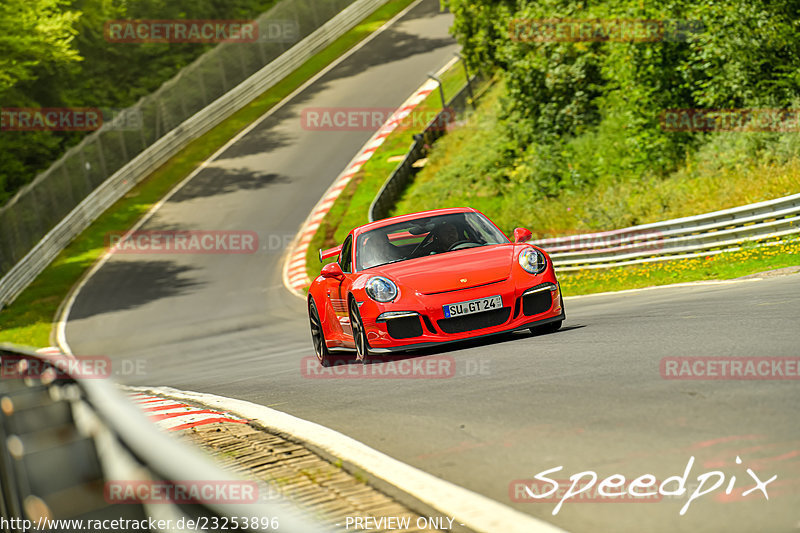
351	208
28	320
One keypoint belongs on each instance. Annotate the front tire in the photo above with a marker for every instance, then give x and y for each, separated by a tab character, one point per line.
318	335
359	334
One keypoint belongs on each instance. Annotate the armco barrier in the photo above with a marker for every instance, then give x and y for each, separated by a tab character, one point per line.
694	236
65	439
30	214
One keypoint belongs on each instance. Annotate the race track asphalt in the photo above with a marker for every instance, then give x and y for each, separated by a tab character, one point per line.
589	397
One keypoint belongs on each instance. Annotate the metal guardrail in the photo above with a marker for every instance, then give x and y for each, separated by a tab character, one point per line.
695	236
64	438
34	212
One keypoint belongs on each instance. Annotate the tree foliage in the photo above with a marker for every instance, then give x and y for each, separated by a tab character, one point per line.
34	35
53	53
576	112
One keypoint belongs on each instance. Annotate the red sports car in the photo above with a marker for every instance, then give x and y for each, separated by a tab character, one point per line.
428	278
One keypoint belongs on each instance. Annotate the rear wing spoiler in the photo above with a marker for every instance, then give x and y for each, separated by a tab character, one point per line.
330	252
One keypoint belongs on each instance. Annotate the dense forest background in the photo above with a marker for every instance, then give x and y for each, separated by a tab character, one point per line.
53	53
575	115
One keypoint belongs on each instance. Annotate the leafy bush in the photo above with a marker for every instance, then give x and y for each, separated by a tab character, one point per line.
53	53
574	115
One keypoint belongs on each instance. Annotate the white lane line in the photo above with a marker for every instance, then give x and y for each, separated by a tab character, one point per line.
477	512
297	263
169	415
49	350
61	325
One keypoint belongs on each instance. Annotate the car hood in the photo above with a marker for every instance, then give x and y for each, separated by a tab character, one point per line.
450	271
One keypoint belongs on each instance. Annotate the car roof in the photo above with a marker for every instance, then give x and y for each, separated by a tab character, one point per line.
411	216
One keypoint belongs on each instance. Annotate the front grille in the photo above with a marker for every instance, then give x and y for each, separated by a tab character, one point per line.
404	327
485	319
536	302
428	324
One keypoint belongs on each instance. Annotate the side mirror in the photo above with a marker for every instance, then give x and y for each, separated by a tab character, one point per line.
332	270
522	235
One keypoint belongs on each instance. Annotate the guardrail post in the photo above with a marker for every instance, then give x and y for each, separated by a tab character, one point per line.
469	81
435	78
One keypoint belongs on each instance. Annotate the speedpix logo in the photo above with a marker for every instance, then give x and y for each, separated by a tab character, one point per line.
587	486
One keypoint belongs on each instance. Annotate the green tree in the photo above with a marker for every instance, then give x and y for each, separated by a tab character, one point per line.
577	112
34	35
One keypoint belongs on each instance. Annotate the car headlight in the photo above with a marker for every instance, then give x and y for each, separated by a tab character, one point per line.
532	260
381	289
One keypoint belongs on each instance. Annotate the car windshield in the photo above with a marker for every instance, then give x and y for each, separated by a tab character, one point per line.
425	236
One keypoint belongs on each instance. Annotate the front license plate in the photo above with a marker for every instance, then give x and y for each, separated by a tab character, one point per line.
473	306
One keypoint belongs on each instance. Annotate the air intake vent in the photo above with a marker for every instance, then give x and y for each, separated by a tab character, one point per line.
486	319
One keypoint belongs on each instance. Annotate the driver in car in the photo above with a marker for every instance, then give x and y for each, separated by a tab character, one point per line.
378	250
447	235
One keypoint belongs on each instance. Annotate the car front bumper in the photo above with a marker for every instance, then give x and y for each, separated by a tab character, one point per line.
401	326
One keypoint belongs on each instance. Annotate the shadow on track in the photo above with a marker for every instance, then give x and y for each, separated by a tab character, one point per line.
222	181
348	357
134	284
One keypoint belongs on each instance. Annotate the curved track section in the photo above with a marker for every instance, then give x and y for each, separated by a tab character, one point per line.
589	397
232	306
